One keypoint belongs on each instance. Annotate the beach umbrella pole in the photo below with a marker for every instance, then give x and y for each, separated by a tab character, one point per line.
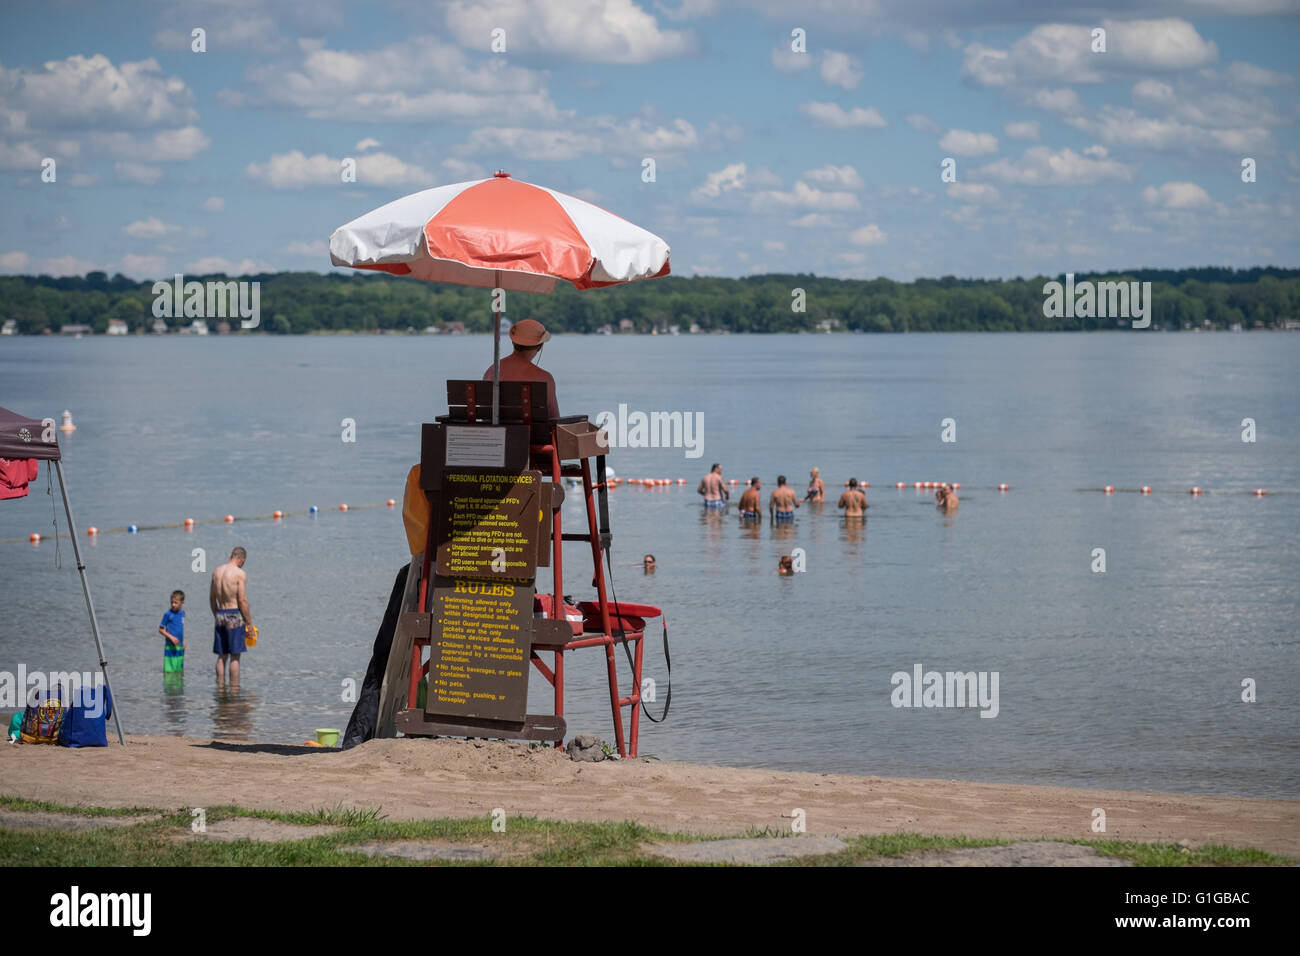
90	607
496	358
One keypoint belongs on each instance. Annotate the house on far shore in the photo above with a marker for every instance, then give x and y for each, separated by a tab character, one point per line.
117	327
9	328
197	327
74	329
159	327
453	328
223	328
626	325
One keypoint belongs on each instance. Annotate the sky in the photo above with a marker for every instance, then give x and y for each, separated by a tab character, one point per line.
849	138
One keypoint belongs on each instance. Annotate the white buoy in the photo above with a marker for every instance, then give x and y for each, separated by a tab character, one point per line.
67	425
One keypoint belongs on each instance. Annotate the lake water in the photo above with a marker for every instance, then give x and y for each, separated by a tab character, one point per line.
1127	679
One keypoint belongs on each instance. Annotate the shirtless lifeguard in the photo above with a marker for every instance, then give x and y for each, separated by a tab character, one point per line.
714	489
853	501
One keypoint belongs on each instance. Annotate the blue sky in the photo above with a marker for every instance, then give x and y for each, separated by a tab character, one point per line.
766	159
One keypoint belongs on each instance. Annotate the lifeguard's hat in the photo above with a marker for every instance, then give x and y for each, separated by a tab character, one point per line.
529	332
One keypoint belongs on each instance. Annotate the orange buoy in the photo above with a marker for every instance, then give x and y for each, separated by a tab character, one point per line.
229	518
916	484
900	484
277	515
92	531
1109	489
846	484
34	538
1260	492
1146	489
189	522
343	507
734	482
864	484
1195	491
391	502
681	481
956	485
1004	487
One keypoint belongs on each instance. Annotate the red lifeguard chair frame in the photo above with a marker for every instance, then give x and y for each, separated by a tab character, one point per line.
562	448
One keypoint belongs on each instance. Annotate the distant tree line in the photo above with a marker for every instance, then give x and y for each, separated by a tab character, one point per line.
301	302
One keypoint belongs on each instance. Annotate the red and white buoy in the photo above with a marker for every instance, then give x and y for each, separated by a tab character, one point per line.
1260	492
189	524
391	502
1004	487
343	507
230	519
1146	489
1195	491
34	538
1109	489
92	531
277	515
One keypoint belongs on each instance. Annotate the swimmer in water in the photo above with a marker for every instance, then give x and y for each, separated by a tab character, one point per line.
816	487
853	501
713	489
751	502
783	502
648	564
786	566
947	498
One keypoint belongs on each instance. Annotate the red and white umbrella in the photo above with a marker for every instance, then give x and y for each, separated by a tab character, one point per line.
500	233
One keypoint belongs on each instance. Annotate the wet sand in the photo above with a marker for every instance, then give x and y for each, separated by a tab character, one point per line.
416	779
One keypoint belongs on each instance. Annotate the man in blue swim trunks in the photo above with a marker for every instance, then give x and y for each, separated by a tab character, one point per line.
713	489
783	502
751	502
229	602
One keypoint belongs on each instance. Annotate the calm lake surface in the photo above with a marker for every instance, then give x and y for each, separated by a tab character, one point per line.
1127	679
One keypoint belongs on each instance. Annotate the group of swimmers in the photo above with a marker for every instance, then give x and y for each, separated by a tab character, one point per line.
783	502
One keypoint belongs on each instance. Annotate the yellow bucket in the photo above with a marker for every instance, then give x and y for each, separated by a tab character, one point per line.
250	636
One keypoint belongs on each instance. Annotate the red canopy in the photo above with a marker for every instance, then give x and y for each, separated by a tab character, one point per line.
22	437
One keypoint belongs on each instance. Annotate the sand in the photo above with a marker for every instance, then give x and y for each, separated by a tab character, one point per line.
414	779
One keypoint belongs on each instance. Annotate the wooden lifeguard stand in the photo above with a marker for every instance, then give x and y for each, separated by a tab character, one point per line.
525	443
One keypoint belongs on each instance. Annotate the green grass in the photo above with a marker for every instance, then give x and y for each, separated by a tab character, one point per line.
527	841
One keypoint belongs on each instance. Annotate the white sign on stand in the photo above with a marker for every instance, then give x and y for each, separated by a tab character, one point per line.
475	447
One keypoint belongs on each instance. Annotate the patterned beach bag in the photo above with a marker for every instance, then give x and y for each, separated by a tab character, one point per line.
42	720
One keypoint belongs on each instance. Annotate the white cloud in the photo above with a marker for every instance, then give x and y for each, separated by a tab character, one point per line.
23	156
1027	130
963	142
142	267
151	228
773	245
367	144
836	117
1096	151
917	40
689	9
214	264
840	69
786	60
165	146
293	170
1063	52
1176	196
815	220
868	235
586	31
919	121
973	192
803	196
1121	126
1247	74
461	171
141	173
835	177
213	204
730	177
14	261
600	135
90	92
1041	167
82	180
228	29
66	266
1064	101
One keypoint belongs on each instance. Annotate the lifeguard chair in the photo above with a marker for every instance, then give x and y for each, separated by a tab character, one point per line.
528	442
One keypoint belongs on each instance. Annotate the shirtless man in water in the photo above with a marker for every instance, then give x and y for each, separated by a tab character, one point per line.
853	501
816	487
947	498
783	501
230	612
714	490
751	502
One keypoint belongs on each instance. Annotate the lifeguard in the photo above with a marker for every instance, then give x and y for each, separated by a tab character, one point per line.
528	337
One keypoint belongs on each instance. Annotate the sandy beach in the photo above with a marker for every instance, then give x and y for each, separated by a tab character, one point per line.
417	779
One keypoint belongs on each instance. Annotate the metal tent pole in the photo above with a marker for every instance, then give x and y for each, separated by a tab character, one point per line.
85	589
496	357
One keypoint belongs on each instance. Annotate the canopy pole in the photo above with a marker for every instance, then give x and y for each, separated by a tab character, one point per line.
85	589
496	356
